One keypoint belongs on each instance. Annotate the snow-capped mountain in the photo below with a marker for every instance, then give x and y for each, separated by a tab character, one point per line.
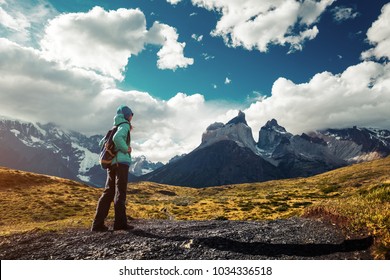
295	155
228	154
356	144
141	166
47	149
320	151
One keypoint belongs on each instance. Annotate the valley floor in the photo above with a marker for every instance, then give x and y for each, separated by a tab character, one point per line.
294	238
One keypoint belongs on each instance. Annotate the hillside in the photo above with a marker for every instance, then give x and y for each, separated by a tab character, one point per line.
355	197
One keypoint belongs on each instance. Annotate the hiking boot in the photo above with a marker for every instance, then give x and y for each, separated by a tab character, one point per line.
101	228
125	227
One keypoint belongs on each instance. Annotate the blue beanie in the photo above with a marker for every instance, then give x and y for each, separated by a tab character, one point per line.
126	111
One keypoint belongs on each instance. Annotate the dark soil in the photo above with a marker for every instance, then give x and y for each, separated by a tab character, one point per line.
296	238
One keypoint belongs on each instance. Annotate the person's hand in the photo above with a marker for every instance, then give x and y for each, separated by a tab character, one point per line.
129	150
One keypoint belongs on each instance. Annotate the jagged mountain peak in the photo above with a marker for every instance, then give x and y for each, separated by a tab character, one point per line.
236	130
270	136
273	125
240	118
49	149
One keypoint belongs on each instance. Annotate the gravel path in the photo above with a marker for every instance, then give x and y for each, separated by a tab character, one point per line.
295	238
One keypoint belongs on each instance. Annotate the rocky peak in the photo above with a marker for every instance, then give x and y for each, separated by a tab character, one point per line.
236	130
239	119
271	135
273	125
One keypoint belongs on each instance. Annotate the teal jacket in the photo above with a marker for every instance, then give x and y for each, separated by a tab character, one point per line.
120	138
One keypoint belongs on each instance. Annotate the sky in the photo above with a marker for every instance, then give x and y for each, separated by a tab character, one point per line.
182	65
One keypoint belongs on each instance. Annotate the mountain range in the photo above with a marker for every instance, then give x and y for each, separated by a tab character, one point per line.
228	153
47	149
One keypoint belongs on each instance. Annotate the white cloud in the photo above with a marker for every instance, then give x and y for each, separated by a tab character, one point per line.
256	25
227	81
342	13
198	38
358	96
103	41
173	2
17	23
206	56
379	36
97	40
37	89
171	54
23	21
34	89
161	128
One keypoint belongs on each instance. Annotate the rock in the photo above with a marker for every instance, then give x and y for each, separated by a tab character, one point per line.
295	238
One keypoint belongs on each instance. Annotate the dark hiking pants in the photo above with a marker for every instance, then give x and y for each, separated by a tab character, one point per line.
115	190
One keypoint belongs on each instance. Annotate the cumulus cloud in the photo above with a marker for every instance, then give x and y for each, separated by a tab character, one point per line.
227	81
342	13
253	24
103	41
161	128
379	36
80	95
358	96
97	40
170	56
35	89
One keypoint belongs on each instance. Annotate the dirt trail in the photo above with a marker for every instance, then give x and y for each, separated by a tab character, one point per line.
295	238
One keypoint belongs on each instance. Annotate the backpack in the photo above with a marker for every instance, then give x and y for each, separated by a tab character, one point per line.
108	151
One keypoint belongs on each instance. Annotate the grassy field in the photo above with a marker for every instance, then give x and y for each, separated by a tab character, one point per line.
356	197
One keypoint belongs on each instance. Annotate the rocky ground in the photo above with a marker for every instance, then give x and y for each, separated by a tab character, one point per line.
296	238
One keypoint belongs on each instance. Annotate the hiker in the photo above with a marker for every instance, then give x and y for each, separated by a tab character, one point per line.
117	175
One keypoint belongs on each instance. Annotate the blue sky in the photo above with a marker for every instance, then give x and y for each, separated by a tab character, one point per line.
182	65
337	46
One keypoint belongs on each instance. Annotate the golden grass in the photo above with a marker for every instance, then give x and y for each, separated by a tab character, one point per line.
357	197
32	201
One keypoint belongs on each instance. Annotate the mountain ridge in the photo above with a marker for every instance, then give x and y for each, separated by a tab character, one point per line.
282	154
44	148
47	149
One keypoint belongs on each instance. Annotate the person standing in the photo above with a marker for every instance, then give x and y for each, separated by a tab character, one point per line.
117	175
